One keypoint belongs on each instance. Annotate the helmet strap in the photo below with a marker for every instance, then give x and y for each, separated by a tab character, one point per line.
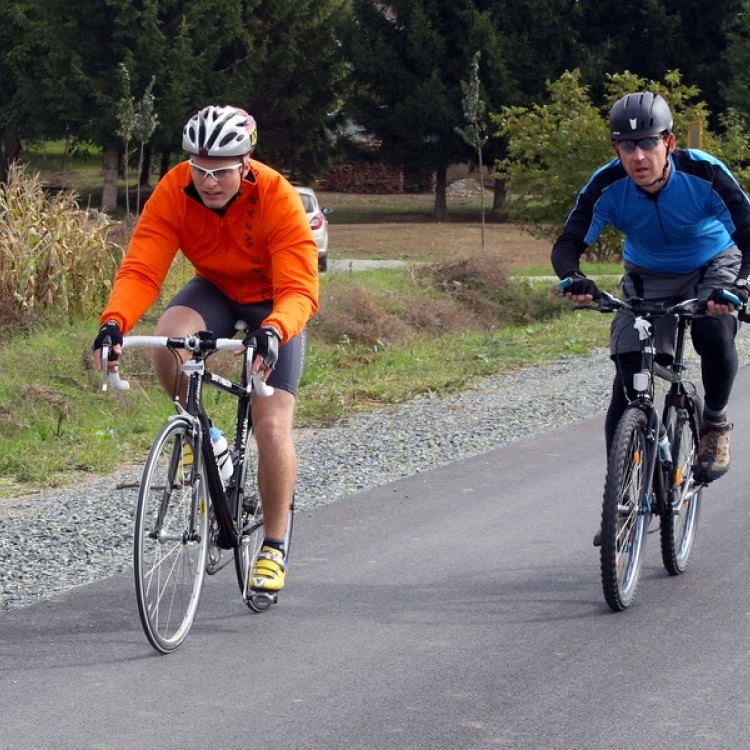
664	174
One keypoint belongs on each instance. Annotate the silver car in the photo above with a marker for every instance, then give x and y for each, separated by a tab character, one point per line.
318	218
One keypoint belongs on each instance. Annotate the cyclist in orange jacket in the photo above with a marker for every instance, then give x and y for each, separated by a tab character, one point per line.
243	227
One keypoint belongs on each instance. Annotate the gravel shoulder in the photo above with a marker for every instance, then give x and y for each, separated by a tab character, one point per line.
53	541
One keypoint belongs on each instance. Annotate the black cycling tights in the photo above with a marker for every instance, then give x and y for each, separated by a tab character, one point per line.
713	339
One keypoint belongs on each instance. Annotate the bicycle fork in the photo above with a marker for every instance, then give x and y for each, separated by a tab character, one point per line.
654	486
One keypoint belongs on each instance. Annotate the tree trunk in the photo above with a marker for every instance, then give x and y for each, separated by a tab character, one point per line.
144	179
109	193
440	212
166	158
498	200
10	148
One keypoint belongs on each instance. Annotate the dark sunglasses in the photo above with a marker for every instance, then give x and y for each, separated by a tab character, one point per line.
645	144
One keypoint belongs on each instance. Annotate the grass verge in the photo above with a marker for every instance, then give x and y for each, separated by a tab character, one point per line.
57	426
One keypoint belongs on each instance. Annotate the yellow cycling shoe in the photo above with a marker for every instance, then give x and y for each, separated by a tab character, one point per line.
269	571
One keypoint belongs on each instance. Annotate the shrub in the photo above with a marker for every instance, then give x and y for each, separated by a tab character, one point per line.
488	298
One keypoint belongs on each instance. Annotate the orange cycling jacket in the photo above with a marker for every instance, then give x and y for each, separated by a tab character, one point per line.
260	248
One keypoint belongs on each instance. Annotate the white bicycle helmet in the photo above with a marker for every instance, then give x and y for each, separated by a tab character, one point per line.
220	131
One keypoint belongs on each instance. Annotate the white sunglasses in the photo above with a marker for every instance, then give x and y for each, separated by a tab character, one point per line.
217	174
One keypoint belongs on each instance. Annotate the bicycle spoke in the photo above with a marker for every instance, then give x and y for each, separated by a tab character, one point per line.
623	517
171	540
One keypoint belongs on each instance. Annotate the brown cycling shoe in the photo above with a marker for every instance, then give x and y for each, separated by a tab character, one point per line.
713	457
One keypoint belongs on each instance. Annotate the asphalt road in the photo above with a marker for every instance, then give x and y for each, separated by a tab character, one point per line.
460	608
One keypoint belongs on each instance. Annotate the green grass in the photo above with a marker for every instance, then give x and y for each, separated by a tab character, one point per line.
56	425
341	380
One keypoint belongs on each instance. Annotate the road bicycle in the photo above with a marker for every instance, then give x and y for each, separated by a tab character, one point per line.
650	463
186	519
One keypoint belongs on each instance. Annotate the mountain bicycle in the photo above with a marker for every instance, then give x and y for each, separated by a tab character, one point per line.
650	461
186	519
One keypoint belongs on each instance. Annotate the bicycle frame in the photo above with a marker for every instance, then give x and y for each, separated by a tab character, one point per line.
201	345
645	316
224	500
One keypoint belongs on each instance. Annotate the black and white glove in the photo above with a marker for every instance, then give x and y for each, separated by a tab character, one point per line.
265	341
108	334
578	284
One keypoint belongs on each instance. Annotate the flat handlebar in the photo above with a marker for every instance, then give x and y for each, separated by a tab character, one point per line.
607	302
688	308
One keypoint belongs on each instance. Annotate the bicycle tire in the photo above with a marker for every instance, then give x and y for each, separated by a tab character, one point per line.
259	601
217	558
679	519
171	538
623	516
250	520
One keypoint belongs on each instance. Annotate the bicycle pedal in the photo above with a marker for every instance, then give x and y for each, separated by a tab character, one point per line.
260	601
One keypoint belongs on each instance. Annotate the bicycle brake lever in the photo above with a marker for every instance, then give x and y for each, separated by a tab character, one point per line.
258	384
111	377
105	366
116	382
262	387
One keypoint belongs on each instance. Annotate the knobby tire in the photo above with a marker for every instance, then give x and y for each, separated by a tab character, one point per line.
679	518
624	521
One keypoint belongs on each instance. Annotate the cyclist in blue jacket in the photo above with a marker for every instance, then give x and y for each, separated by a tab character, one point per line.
686	223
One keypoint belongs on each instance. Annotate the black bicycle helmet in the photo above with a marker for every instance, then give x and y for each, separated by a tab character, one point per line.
639	115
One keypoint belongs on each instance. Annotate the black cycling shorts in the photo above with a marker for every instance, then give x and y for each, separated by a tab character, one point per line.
220	313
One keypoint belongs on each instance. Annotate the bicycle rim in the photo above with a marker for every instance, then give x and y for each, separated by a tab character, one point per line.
624	518
171	539
217	557
680	516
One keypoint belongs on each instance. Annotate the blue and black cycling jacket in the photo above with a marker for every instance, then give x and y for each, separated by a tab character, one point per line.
699	213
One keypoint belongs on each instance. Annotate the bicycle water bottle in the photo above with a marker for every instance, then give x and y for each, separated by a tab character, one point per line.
665	450
221	451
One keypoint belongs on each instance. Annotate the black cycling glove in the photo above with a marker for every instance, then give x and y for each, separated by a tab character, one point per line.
717	295
265	341
580	284
111	330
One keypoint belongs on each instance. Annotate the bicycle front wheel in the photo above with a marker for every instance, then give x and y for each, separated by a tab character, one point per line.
626	492
171	538
679	520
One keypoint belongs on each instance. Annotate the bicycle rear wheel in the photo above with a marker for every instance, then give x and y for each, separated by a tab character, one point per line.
250	520
248	550
679	518
623	513
171	538
217	557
